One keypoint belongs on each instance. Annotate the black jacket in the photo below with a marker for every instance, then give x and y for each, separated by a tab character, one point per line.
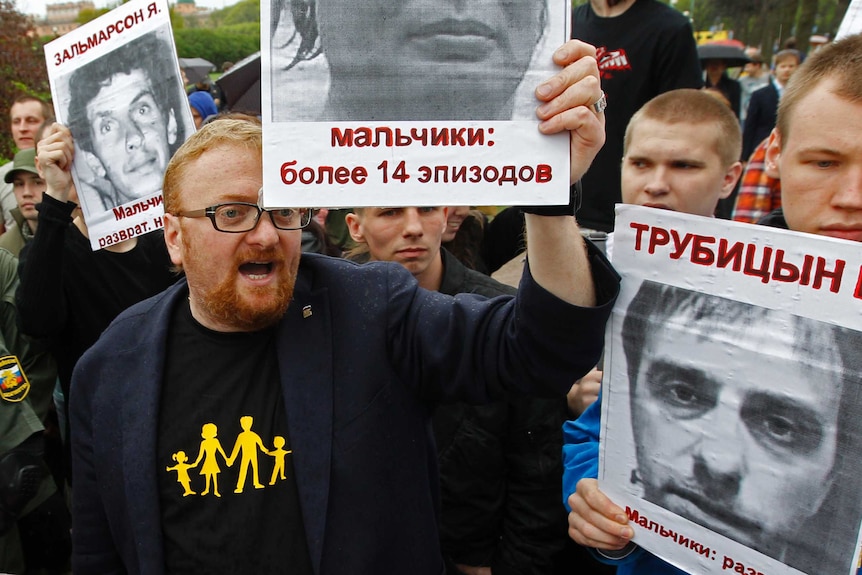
762	113
774	219
500	468
731	89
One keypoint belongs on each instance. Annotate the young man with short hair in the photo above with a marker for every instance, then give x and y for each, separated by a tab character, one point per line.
763	106
680	153
28	186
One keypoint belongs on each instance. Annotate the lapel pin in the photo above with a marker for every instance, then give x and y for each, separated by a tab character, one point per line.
306	312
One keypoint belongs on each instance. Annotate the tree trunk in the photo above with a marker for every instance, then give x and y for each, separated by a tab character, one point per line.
787	20
807	17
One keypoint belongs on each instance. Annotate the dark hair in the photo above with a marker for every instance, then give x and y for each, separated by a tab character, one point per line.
304	16
466	244
148	53
656	305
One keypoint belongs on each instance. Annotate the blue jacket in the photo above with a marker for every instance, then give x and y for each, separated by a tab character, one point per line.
360	376
581	459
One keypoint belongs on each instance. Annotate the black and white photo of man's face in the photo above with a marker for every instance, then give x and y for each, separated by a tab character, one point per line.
746	452
130	135
427	59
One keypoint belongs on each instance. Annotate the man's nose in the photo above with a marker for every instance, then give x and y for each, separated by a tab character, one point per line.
264	233
134	138
412	222
849	194
657	184
719	459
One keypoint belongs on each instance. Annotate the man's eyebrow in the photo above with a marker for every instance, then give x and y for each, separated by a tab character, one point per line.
819	150
142	93
633	158
663	367
688	161
677	160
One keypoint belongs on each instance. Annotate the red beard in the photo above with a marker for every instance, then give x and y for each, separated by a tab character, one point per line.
255	308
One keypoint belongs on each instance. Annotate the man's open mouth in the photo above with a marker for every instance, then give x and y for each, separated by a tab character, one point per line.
256	270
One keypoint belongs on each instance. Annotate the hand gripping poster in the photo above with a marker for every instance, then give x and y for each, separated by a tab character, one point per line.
116	84
409	103
731	432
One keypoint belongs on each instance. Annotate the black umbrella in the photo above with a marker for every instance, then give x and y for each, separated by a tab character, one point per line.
733	56
196	69
241	85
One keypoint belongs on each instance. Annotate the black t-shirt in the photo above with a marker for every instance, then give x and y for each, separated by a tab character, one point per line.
227	490
647	50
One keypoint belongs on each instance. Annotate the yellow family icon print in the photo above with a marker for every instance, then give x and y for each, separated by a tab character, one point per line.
246	448
182	469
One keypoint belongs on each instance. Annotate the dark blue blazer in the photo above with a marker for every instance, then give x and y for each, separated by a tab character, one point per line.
762	113
360	375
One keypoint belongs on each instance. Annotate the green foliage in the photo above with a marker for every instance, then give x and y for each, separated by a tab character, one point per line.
89	14
768	23
177	21
241	12
243	29
22	68
231	43
763	23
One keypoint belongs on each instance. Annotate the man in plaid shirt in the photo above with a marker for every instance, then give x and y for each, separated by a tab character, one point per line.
759	193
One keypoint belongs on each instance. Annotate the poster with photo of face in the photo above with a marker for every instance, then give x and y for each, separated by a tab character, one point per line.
733	383
421	102
116	84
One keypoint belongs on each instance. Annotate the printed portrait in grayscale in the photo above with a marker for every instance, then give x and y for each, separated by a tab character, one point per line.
127	115
746	421
405	60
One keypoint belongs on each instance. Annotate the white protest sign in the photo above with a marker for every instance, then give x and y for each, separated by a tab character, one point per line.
852	21
412	103
116	84
731	395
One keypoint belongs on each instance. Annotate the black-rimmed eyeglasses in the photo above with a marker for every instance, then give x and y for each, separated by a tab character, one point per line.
238	217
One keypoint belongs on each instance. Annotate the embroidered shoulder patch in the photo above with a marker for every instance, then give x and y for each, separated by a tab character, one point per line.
14	385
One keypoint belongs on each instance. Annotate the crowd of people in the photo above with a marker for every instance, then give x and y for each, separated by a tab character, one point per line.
350	391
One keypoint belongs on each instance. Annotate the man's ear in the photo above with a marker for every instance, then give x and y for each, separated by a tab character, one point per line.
174	238
95	164
445	217
172	128
354	227
731	176
773	155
